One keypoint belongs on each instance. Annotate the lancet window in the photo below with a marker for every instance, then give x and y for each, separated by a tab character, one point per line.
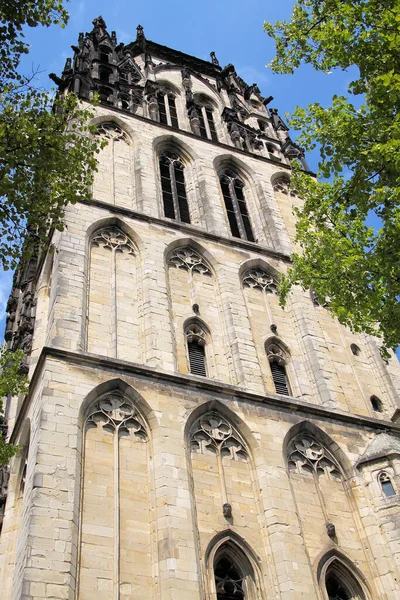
277	358
167	109
340	583
206	122
173	188
235	204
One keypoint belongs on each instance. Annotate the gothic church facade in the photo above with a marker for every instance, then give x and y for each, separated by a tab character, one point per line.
184	436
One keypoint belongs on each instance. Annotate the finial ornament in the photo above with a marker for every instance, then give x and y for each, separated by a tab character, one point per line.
214	59
140	32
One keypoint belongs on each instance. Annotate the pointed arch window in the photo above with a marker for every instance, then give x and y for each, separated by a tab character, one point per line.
173	188
386	485
167	109
235	204
340	583
206	122
196	342
277	361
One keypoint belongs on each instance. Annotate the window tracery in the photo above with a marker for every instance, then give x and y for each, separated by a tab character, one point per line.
261	280
340	583
173	188
213	433
117	414
282	184
189	260
306	455
235	204
228	580
111	131
114	239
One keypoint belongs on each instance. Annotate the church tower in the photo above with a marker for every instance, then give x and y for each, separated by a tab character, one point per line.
184	437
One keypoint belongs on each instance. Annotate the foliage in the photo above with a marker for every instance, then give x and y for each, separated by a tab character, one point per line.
342	258
12	383
47	152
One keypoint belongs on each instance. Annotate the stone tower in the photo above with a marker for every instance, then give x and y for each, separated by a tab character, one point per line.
184	437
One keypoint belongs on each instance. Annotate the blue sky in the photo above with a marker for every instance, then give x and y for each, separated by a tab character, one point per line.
233	29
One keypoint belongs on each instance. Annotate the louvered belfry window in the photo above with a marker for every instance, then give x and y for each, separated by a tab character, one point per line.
167	110
235	204
197	358
173	188
196	341
280	378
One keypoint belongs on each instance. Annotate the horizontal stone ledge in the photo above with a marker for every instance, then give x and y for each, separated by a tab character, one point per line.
188	229
275	401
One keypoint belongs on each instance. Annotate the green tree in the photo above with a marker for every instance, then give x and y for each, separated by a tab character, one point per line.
354	265
12	383
47	152
47	159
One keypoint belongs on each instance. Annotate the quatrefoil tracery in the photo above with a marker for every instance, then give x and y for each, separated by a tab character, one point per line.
213	433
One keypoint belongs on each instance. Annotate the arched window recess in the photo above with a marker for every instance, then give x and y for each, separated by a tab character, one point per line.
233	571
386	485
278	359
239	221
376	404
340	582
306	455
173	187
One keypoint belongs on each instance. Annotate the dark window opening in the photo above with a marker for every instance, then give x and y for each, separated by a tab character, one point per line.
228	580
125	104
355	350
335	589
197	358
279	377
262	126
235	204
105	55
173	188
104	75
203	130
211	124
105	95
376	404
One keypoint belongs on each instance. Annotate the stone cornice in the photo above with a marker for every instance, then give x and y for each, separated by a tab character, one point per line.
189	230
219	389
173	130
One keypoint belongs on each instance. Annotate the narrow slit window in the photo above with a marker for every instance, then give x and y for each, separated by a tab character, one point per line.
386	485
279	377
173	188
235	204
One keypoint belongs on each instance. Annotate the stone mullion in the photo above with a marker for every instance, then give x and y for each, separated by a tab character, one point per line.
236	209
272	218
